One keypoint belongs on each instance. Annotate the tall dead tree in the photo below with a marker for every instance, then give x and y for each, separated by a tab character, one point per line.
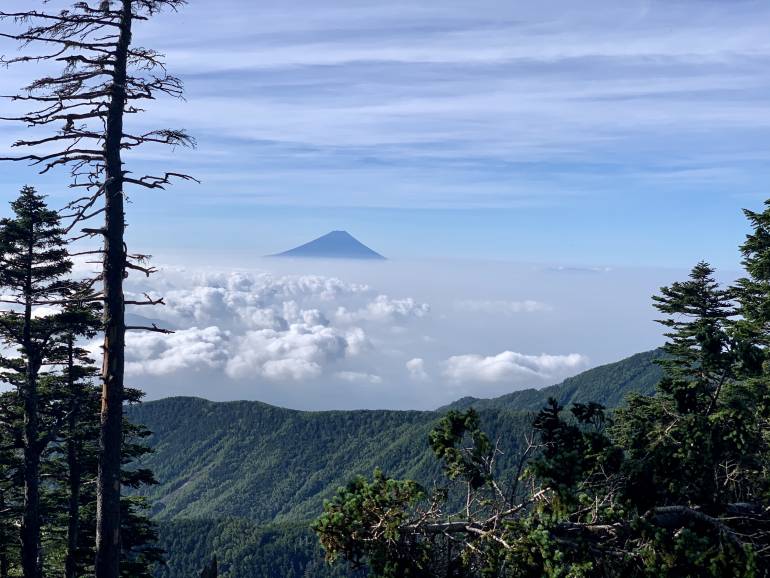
76	118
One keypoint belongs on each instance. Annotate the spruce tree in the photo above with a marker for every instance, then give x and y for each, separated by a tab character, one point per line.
700	350
689	444
73	460
753	290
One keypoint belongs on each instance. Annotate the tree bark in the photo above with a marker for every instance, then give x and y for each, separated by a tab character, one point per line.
108	485
31	562
5	566
30	525
74	470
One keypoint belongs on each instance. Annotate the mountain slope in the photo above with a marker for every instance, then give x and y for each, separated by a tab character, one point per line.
242	480
269	464
266	463
334	245
245	550
608	384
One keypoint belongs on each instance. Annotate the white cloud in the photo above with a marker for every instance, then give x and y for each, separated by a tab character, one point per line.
502	307
358	377
357	341
278	337
254	300
45	311
259	326
188	349
301	352
385	310
295	369
510	365
416	369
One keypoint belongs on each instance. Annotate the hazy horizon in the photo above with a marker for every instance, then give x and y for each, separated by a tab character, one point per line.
397	334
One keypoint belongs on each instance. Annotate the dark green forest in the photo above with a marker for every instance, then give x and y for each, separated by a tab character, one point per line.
263	463
243	480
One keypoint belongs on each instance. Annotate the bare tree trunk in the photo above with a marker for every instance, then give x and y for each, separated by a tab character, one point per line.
111	437
5	566
30	524
73	522
103	79
73	467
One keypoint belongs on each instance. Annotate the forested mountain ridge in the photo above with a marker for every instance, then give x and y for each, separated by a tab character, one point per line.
270	464
265	463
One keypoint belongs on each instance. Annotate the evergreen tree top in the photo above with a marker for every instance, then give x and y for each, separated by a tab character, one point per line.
33	255
756	248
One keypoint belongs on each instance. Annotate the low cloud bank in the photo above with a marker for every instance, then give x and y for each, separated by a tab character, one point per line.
510	365
399	335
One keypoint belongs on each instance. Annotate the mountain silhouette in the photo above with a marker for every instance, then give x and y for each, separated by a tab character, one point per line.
334	245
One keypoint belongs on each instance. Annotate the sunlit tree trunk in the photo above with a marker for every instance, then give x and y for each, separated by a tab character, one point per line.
108	485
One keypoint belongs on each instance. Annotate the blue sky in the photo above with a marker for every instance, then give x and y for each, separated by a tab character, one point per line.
535	172
605	132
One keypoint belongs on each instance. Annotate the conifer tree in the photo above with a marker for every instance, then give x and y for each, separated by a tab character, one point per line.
35	264
752	293
699	441
700	350
65	401
74	461
753	290
10	484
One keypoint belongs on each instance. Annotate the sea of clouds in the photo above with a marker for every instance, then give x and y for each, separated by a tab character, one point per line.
319	335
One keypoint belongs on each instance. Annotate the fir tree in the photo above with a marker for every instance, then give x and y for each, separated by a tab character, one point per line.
700	355
35	264
73	460
11	497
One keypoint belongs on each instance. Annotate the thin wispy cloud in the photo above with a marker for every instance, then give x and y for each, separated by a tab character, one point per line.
457	104
585	119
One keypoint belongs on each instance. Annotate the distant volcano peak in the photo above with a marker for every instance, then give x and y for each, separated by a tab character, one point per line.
334	245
